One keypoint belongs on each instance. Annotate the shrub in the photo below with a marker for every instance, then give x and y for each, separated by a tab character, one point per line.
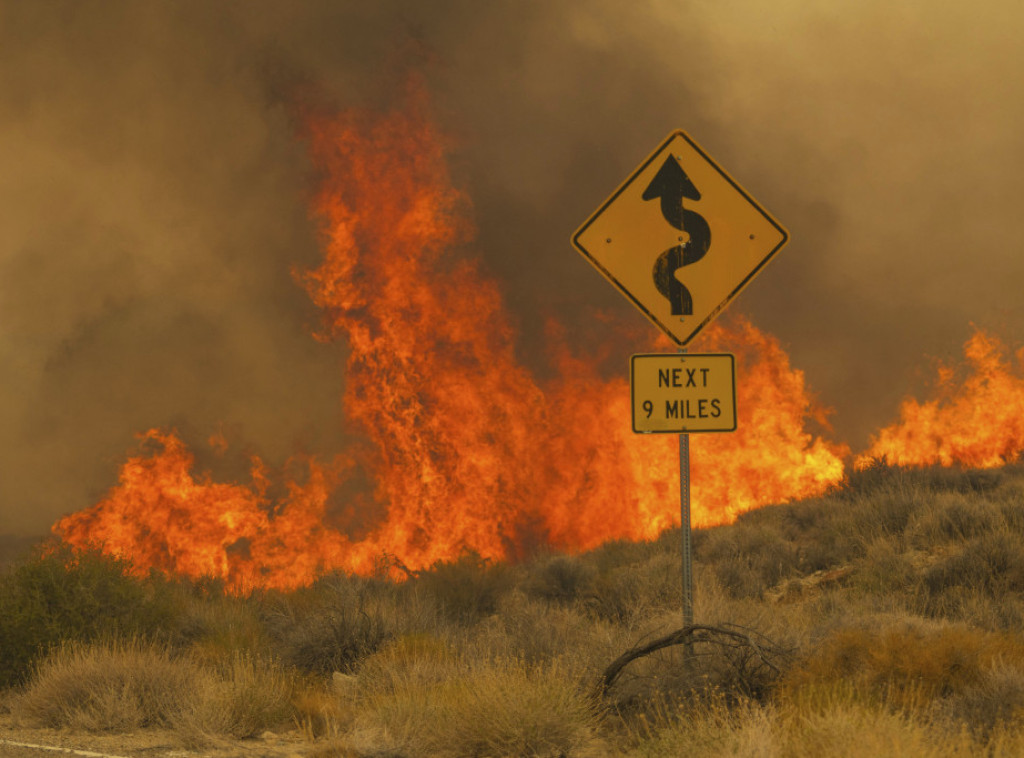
510	709
856	729
466	589
131	684
334	624
954	517
884	569
699	730
997	699
885	514
60	595
906	664
417	661
834	537
992	563
216	627
320	712
632	594
243	698
838	725
537	632
748	559
561	579
876	477
493	708
616	554
116	686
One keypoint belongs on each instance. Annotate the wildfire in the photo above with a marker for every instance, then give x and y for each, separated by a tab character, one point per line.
465	447
976	421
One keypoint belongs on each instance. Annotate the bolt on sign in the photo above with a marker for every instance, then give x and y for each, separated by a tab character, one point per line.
680	238
683	393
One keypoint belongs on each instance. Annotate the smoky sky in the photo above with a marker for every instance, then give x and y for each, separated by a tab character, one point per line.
154	196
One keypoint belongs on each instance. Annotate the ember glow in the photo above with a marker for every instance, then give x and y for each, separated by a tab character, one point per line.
975	419
465	447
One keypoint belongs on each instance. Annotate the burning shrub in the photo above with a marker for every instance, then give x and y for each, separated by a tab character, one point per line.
983	396
61	596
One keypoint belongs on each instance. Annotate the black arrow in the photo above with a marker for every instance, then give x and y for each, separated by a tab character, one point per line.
671	184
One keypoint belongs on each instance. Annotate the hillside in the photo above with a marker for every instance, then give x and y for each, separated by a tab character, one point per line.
884	617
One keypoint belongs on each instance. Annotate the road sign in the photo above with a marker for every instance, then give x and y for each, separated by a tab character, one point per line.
683	392
680	238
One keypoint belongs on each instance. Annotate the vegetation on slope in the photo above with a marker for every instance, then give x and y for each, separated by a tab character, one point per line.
884	618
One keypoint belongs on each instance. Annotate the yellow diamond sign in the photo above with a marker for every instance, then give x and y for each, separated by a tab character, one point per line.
680	238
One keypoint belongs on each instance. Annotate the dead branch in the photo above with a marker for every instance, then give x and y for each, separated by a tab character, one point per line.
689	635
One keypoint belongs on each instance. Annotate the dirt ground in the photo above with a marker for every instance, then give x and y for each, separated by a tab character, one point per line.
149	743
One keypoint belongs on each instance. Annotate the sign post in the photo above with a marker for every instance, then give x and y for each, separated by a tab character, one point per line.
683	392
680	238
684	517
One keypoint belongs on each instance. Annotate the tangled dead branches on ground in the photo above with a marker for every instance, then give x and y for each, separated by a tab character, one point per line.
753	658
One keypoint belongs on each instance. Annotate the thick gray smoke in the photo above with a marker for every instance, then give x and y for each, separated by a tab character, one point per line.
154	195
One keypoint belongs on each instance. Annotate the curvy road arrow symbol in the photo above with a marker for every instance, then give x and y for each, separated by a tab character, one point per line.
671	185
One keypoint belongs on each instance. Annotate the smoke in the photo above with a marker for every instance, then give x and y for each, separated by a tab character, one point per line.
155	196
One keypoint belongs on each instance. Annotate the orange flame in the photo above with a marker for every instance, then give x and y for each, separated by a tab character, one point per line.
976	422
465	447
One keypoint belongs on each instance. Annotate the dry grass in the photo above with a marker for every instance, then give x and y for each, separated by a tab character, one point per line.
244	697
436	703
127	685
215	628
323	711
835	723
905	665
107	687
540	633
420	696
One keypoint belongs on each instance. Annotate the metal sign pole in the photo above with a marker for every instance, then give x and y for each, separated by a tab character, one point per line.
684	498
684	523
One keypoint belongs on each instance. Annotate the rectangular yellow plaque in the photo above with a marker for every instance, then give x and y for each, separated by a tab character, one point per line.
683	392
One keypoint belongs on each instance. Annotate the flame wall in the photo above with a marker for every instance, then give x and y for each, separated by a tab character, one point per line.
466	448
155	198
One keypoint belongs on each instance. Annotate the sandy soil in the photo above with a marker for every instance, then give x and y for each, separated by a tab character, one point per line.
149	743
